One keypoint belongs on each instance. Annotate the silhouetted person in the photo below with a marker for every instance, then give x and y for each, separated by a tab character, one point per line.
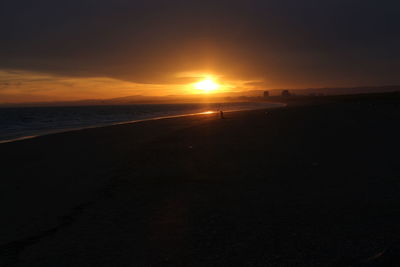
221	113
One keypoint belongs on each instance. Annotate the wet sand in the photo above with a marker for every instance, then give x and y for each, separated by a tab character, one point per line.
315	183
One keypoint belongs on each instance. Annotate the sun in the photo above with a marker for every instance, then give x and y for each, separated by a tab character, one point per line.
207	85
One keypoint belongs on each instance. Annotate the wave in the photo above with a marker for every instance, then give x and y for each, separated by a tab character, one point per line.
27	122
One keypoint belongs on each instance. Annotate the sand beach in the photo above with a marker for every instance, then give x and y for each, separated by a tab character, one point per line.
315	183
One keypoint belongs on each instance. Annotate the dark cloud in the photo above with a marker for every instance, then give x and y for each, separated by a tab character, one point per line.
285	42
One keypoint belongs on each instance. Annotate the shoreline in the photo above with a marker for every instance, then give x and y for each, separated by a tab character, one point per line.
277	105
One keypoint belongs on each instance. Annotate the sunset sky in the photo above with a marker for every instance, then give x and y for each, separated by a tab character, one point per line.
94	49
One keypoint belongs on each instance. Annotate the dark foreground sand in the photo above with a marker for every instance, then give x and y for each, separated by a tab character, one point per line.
317	184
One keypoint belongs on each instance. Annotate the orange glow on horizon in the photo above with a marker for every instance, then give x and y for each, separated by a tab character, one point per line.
24	86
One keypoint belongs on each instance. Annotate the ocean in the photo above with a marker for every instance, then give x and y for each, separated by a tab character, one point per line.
24	122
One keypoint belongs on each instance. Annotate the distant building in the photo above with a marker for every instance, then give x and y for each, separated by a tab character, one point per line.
286	93
266	93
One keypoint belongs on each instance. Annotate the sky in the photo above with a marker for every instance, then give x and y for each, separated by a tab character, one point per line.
94	49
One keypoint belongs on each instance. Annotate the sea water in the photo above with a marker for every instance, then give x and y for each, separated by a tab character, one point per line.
23	122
